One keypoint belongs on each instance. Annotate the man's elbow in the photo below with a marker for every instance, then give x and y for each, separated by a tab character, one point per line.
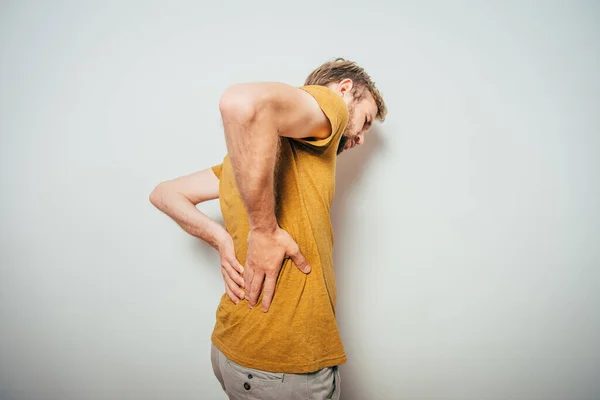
157	196
242	102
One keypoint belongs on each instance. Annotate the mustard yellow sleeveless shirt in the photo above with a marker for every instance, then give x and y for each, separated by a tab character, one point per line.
299	333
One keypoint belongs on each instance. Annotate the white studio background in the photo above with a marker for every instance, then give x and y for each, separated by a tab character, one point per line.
467	227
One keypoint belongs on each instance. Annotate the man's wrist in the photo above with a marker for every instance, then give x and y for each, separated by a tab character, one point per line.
264	227
220	236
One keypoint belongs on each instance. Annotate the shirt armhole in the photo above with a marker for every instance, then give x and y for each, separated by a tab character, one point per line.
217	170
329	103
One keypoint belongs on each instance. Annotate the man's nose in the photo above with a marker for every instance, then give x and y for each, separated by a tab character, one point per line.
360	138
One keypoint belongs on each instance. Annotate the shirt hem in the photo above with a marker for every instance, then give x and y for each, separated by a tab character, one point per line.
294	368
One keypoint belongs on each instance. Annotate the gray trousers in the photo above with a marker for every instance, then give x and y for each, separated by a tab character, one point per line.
240	382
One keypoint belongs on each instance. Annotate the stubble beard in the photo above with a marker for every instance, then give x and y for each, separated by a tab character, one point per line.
349	128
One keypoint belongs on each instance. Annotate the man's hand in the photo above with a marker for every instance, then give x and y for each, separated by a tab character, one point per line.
231	269
266	252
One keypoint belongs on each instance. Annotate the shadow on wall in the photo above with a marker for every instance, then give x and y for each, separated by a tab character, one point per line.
350	165
349	171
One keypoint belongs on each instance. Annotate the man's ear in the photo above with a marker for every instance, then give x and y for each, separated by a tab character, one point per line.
345	86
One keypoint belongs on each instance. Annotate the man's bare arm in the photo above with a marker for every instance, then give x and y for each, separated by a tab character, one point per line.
178	198
255	115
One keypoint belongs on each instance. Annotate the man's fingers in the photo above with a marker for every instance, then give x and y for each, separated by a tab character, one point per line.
236	265
255	286
268	291
299	259
234	274
231	295
233	286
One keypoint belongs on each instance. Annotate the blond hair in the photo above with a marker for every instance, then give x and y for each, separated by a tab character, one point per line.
340	69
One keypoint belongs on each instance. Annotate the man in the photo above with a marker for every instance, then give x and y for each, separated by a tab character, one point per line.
276	187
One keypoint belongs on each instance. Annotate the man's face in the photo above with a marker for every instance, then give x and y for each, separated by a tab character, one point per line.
361	114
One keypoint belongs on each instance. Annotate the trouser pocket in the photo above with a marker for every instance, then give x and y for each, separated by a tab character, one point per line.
249	383
337	392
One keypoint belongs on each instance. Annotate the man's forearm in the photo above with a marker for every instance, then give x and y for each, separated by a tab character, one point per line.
253	144
192	220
